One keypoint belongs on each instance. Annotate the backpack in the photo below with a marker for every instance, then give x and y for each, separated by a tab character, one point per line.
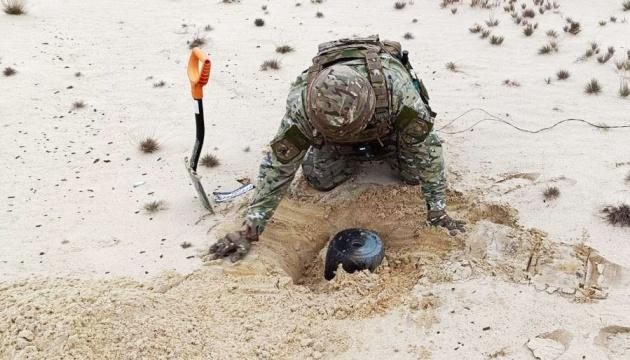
368	48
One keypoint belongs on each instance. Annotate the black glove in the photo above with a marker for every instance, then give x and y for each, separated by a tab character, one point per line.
234	245
441	218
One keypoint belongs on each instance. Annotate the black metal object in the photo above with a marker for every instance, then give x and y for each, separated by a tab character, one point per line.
355	249
191	165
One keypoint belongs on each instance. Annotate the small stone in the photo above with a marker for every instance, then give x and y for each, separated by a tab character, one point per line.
26	335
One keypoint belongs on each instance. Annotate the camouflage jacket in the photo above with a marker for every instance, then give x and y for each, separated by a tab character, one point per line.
275	176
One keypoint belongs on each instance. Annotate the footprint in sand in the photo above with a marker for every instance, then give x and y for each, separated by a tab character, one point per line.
616	340
551	345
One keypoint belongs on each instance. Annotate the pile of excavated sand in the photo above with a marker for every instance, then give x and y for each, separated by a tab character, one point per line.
278	306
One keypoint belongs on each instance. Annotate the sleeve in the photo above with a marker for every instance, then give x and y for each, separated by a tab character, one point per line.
420	149
277	170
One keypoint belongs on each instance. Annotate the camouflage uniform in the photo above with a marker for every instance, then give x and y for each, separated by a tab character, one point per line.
416	155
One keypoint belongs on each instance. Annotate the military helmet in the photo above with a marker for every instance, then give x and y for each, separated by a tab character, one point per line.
340	102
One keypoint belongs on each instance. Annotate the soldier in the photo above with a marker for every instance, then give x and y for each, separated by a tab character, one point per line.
359	99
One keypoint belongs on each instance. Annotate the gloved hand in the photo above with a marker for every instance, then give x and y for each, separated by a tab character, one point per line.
235	245
441	218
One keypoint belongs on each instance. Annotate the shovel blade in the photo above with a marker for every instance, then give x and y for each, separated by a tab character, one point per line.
196	180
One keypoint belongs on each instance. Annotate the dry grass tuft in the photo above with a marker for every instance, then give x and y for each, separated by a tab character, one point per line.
552	34
9	71
602	23
78	104
284	49
552	46
197	41
626	5
78	74
562	75
624	89
154	206
528	30
452	66
593	87
528	13
617	215
14	7
408	36
259	22
210	161
485	34
602	59
572	28
511	83
475	28
492	22
496	40
399	5
159	84
319	14
185	245
208	28
149	145
551	193
272	64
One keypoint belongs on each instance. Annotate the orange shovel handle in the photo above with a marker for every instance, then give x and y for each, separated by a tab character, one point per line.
198	78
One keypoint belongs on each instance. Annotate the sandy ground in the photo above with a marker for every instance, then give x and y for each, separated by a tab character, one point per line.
85	272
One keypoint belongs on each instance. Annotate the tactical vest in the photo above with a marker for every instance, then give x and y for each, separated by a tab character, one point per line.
368	49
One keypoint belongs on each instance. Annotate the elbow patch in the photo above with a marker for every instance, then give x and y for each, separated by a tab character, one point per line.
290	145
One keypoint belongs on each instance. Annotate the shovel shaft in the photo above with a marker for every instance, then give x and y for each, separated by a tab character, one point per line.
199	134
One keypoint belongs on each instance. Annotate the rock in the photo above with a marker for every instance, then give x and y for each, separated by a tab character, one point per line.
26	335
545	349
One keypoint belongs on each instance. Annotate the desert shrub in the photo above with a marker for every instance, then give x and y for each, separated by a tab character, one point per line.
149	145
475	28
548	48
617	215
154	206
209	160
197	41
602	59
9	71
529	13
593	87
496	40
283	49
624	89
14	7
272	64
399	5
451	66
551	193
572	27
562	75
408	36
492	22
80	104
626	5
319	14
259	22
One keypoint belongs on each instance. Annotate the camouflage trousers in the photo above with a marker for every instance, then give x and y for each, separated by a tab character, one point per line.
416	161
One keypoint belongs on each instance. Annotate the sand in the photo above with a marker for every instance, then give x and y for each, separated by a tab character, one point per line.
86	272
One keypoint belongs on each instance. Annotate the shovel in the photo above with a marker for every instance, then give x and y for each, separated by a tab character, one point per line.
198	78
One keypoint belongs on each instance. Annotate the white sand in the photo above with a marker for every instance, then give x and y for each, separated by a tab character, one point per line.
68	217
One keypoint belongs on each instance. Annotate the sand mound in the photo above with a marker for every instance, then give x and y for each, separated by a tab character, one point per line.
276	303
